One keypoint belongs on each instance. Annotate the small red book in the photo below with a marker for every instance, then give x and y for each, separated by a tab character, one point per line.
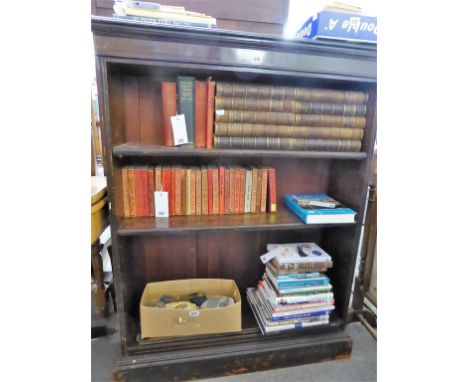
221	189
193	197
183	192
141	191
271	190
215	191
210	114
167	187
125	196
232	190
198	192
131	191
177	190
210	190
150	174
237	190
204	191
169	109
226	190
200	90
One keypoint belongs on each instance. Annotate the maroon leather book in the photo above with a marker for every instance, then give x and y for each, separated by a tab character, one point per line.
169	109
141	191
201	90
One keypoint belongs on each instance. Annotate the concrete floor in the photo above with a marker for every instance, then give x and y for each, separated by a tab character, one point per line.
361	367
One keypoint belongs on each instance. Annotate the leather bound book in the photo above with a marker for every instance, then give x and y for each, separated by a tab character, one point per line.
263	202
158	178
125	196
221	189
210	114
131	191
169	109
201	93
232	190
177	190
188	191
310	132
226	190
253	198
185	102
198	192
172	193
248	190
244	90
150	174
242	191
193	198
258	201
204	194
183	192
215	191
290	106
237	190
141	191
271	190
167	187
266	143
289	119
210	190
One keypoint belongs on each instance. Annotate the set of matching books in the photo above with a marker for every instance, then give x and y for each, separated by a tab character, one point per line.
252	116
205	190
195	100
294	292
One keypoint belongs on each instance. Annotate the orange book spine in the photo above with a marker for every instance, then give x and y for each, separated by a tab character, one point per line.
150	173
200	106
221	190
271	190
141	192
172	193
232	190
193	197
226	190
258	202
237	190
210	191
131	191
198	192
125	196
169	109
215	191
183	192
167	186
158	178
188	189
210	114
242	191
264	190
204	182
178	191
253	198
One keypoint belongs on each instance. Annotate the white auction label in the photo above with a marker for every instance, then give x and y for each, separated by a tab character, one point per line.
179	129
161	204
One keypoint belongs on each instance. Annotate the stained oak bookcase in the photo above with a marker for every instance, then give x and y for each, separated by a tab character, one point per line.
132	59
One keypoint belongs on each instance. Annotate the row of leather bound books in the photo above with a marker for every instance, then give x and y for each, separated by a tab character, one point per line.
205	190
252	116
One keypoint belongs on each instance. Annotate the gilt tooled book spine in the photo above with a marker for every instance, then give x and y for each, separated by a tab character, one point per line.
289	119
204	190
210	191
290	106
232	190
169	109
268	143
141	191
183	192
188	191
185	103
271	190
173	192
210	114
221	189
125	196
201	93
150	173
242	191
263	202
226	190
131	191
253	198
310	132
193	191
198	192
249	90
178	190
215	191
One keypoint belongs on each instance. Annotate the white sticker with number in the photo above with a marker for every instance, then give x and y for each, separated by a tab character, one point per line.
179	129
161	204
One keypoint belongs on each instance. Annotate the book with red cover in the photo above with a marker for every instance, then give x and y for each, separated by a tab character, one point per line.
125	196
215	191
150	173
271	190
226	190
141	191
253	198
242	191
204	190
158	178
210	114
193	197
201	93
177	190
183	192
188	191
263	199
198	192
210	190
131	191
221	189
169	109
167	185
237	190
258	202
232	189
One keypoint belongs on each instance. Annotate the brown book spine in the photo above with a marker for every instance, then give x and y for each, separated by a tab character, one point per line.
201	93
158	178
252	130
232	190
221	189
237	190
193	194
242	191
204	183
131	191
198	191
226	190
215	191
169	109
253	198
141	191
210	114
258	201
244	90
263	203
289	119
289	106
271	190
188	191
178	191
266	143
150	173
125	196
183	192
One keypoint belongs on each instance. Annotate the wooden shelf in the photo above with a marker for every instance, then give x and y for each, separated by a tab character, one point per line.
140	150
283	219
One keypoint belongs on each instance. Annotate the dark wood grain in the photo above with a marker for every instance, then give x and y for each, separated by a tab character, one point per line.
131	108
149	111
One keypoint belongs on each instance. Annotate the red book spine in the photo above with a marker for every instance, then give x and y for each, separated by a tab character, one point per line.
237	190
221	190
158	178
198	192
215	191
178	191
183	193
232	190
253	198
193	194
131	191
204	184
210	114
201	90
141	192
172	194
210	191
271	190
169	109
125	196
226	190
264	190
242	191
258	202
150	174
166	184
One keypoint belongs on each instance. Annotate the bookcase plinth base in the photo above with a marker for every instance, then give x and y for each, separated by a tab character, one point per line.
233	359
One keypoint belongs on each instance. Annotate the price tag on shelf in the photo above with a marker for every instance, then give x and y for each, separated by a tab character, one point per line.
161	204
179	129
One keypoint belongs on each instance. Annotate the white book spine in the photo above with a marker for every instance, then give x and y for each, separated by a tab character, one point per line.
248	190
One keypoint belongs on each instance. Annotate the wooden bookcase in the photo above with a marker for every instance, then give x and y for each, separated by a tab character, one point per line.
132	60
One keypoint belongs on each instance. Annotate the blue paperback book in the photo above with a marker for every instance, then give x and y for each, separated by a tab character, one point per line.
319	209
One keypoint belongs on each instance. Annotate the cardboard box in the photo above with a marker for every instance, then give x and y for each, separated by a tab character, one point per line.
163	322
340	26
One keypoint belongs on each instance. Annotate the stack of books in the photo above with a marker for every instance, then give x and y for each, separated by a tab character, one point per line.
205	190
294	292
160	14
253	116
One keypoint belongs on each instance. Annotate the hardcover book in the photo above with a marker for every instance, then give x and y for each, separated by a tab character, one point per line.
125	196
185	103
169	109
150	173
131	191
201	94
310	214
271	190
141	191
297	253
210	114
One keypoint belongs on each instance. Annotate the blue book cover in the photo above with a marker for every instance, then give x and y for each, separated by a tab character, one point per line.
301	315
283	285
297	276
302	206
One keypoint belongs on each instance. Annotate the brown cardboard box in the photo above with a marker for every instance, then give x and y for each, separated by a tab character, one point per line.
163	322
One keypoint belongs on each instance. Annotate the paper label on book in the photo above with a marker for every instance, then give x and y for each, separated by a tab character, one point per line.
161	204
270	255
179	129
219	112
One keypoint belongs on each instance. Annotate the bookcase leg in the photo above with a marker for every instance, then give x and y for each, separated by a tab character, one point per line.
100	296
